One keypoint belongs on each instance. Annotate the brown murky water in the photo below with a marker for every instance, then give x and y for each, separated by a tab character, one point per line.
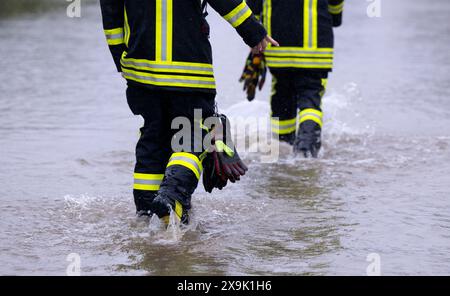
381	185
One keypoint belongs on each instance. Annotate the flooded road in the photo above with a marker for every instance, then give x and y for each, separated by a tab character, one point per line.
381	185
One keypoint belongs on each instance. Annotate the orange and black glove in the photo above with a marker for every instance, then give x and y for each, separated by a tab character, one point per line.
254	74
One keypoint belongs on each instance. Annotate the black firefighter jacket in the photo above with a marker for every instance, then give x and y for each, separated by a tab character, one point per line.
164	43
304	29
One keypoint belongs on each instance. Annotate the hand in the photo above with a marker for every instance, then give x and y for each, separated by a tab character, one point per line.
263	44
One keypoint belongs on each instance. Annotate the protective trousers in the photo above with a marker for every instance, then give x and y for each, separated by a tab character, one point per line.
170	148
296	101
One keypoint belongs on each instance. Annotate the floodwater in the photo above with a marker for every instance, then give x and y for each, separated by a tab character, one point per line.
381	185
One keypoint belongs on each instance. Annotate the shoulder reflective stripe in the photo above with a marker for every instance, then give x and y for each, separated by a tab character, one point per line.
170	80
310	23
149	182
238	15
187	160
114	36
314	23
311	114
164	30
336	9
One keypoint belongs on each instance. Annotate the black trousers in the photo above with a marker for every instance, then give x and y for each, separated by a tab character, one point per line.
296	98
160	146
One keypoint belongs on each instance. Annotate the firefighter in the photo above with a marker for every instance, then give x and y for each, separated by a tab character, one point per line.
299	66
161	47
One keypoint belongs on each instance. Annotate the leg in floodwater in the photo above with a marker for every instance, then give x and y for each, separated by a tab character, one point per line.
284	107
153	147
310	87
306	52
184	167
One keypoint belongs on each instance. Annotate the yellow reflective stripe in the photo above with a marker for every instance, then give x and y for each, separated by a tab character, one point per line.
150	182
313	118
314	23
306	26
178	209
300	52
169	32
238	15
222	147
167	67
148	176
114	36
127	28
311	114
324	82
158	29
336	9
283	127
284	122
284	131
299	62
187	160
114	31
267	18
170	80
311	111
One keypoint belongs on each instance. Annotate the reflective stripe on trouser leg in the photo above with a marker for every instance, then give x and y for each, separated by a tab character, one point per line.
147	182
187	160
283	127
311	114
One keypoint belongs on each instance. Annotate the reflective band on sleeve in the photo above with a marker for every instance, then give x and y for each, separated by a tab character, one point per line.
336	9
311	114
150	182
238	15
283	127
114	36
187	160
178	209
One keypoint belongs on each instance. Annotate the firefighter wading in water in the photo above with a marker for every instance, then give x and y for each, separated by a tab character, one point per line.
162	49
299	66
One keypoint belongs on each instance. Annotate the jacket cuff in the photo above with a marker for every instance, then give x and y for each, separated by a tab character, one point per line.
116	52
337	20
252	31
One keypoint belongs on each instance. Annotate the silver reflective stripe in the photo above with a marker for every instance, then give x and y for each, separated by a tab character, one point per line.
311	114
164	30
147	182
187	159
114	36
237	16
173	80
284	127
298	51
299	63
168	67
311	7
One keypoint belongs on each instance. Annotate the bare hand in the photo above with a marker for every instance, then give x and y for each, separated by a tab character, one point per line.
263	44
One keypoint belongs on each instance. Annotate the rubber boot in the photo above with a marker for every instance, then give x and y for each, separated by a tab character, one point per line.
308	141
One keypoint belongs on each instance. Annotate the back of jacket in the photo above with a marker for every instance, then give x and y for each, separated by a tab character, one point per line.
304	29
164	43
